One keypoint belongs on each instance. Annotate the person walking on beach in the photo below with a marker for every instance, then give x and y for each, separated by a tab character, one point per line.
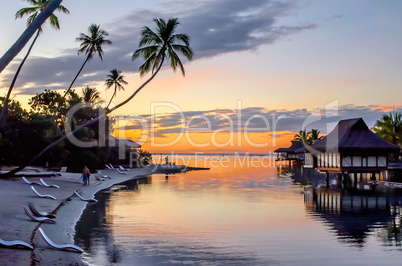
85	175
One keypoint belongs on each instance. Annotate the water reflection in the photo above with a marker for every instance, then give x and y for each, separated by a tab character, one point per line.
240	215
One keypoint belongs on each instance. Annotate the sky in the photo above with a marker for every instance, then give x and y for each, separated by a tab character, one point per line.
262	69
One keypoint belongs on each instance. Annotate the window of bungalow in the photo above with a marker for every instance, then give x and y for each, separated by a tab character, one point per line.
382	161
338	160
371	161
347	161
326	160
357	161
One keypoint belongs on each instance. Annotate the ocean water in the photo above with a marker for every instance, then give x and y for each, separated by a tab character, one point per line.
240	212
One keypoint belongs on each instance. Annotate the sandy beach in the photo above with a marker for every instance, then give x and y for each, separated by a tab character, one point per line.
16	225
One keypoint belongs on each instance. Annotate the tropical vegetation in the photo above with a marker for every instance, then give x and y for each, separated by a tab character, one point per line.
48	114
308	137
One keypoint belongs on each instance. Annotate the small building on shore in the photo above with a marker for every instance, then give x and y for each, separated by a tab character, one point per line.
292	153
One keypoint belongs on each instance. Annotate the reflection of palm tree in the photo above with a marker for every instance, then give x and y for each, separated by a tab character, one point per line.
389	127
90	95
37	7
114	78
90	45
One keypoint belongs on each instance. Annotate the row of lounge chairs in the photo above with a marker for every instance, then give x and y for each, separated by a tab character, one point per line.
121	170
43	217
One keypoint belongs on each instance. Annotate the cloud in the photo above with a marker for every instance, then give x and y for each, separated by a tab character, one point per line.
260	120
215	28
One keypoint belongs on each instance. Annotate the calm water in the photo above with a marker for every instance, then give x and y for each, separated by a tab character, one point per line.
238	213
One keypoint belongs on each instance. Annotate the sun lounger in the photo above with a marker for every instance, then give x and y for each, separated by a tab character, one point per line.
42	196
102	175
108	167
66	247
122	168
84	199
46	185
30	183
120	172
111	166
14	244
38	219
39	213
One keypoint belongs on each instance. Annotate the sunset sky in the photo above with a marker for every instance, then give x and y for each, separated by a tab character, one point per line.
254	62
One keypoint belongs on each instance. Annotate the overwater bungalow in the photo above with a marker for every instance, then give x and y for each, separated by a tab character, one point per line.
292	153
353	152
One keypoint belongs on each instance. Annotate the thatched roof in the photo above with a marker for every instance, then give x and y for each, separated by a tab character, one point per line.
296	144
353	134
121	141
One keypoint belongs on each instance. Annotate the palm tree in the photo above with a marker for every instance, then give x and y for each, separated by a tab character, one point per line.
16	48
315	135
163	44
90	45
34	11
114	78
90	95
303	136
389	127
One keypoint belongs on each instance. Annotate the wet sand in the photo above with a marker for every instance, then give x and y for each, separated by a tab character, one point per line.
15	225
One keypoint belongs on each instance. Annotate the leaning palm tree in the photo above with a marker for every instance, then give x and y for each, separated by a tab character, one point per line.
20	43
90	44
163	45
114	78
37	7
90	95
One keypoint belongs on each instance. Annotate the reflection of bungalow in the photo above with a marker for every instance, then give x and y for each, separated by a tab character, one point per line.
353	149
291	153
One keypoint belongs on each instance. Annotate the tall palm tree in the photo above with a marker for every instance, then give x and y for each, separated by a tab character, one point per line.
91	44
37	7
90	95
114	78
389	127
163	44
20	43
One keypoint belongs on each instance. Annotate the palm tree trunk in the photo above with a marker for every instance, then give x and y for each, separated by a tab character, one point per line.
57	142
28	33
114	94
76	76
3	113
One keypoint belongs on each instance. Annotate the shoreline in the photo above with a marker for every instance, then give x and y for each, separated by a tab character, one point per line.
67	207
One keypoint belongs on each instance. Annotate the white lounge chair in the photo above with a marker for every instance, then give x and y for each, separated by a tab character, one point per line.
120	172
42	196
30	183
39	213
46	185
66	247
111	166
103	176
38	219
108	167
122	168
14	244
84	199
